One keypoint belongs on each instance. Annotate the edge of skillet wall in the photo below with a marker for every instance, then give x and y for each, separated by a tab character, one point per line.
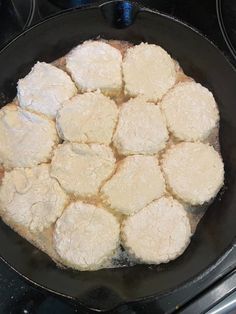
200	59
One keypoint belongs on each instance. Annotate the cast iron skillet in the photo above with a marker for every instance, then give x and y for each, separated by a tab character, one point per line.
105	289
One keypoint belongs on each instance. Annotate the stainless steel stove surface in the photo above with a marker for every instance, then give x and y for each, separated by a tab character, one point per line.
216	293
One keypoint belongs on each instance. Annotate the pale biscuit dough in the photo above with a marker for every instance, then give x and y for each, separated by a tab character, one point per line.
87	118
193	171
137	182
82	168
26	139
148	70
29	197
96	65
44	89
191	111
158	233
86	236
141	128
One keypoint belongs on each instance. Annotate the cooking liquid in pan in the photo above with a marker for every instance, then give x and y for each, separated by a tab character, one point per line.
44	239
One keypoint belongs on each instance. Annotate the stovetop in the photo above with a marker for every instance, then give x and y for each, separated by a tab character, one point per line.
217	20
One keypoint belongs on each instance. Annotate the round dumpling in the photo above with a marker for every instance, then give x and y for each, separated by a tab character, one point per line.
96	65
141	128
148	70
44	89
81	169
26	139
88	118
138	181
86	236
158	233
191	111
193	171
29	197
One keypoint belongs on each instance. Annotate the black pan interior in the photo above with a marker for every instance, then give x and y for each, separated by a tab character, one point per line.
53	38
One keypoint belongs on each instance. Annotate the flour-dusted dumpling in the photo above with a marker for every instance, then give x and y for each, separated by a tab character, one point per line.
141	128
26	139
82	168
158	233
193	171
148	70
44	89
88	118
102	156
29	197
86	236
137	182
191	111
96	65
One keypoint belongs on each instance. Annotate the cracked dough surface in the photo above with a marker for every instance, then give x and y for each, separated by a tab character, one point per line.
44	89
86	236
158	233
193	171
87	118
137	182
191	111
148	70
96	65
141	128
31	198
26	139
81	168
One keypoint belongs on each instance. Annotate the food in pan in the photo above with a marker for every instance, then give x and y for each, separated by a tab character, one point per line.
116	172
88	118
137	182
194	172
26	139
86	236
160	71
30	197
82	168
96	65
44	89
191	111
158	233
141	128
